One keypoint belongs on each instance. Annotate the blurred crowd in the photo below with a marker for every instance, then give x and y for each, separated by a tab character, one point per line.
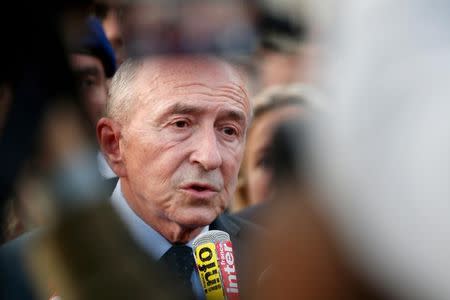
344	171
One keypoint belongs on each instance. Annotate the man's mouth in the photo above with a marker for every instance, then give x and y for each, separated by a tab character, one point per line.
200	190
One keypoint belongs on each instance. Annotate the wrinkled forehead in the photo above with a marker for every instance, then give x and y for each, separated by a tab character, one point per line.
166	74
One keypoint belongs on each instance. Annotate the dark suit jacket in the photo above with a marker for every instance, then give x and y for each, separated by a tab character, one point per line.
257	213
15	280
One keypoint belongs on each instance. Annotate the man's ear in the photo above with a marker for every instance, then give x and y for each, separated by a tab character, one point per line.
108	136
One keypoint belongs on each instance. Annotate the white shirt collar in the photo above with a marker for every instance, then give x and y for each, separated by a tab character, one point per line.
147	237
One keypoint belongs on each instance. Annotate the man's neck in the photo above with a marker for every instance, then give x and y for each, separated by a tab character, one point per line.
173	232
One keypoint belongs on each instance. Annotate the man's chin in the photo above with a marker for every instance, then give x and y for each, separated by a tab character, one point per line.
194	218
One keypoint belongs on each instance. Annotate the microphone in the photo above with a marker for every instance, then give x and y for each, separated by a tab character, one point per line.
213	253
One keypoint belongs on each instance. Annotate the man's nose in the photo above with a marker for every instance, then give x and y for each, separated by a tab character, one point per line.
206	151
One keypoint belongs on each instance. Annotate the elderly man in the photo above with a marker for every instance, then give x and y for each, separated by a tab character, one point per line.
174	133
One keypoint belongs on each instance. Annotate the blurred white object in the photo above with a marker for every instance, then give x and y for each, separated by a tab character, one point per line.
386	145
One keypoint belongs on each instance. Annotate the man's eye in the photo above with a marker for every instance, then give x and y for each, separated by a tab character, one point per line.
181	124
230	131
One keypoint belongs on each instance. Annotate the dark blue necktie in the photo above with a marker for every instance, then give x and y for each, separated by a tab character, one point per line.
180	262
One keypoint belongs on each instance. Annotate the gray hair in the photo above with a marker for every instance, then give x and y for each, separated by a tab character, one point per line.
121	93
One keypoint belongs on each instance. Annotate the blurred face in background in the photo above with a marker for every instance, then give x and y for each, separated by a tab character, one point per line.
92	84
113	31
256	167
278	67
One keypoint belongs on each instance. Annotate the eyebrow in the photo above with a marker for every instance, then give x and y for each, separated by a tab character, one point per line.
177	109
182	109
233	115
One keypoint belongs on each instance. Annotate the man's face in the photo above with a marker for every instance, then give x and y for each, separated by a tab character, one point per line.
184	141
92	84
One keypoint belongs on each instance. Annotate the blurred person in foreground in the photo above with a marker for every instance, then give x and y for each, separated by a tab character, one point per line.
382	157
307	261
92	62
273	107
